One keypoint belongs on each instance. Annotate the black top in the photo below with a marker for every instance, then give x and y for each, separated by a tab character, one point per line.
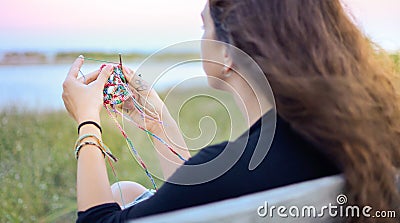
290	160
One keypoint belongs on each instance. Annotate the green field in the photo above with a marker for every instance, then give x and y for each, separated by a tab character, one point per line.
38	168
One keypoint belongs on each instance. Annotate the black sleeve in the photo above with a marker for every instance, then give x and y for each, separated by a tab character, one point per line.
169	197
102	213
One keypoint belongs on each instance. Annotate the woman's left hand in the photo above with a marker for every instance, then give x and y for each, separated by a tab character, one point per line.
84	99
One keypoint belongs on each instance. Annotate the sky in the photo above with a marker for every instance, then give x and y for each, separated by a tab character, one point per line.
145	25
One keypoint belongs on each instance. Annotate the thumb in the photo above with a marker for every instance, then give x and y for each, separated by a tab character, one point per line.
75	68
104	75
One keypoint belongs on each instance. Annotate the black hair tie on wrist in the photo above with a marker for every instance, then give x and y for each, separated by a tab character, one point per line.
90	123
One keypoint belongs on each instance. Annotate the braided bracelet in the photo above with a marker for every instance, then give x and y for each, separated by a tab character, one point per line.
78	149
103	147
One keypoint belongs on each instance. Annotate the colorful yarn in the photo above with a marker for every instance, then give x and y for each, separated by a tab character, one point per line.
116	91
133	151
150	133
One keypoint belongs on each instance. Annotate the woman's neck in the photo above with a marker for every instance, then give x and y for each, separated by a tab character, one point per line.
252	101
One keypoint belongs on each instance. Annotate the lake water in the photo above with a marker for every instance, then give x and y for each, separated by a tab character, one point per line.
39	87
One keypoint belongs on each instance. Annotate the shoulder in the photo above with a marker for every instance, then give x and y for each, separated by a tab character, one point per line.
206	154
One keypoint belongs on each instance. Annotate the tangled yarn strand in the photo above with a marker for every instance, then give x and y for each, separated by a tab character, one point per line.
116	91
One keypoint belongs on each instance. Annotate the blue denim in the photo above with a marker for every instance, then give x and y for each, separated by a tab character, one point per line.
144	196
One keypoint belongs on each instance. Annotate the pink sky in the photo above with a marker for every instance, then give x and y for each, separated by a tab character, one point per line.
131	24
379	19
93	14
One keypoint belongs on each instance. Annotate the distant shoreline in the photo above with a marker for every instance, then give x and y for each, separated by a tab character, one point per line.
37	58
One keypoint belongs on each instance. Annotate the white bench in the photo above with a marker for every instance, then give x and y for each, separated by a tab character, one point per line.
244	209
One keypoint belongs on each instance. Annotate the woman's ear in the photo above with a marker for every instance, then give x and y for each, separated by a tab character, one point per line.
228	62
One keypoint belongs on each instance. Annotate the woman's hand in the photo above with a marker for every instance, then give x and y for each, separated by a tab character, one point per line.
84	99
154	108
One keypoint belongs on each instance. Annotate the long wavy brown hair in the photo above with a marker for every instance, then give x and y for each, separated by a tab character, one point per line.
332	85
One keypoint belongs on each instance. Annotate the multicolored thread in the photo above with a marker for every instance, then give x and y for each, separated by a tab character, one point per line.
116	91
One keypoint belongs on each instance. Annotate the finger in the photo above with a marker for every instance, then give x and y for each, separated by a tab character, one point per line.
75	67
139	84
134	80
104	75
89	78
128	105
128	73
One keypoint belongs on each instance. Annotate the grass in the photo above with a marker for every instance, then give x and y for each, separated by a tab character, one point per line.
37	172
38	169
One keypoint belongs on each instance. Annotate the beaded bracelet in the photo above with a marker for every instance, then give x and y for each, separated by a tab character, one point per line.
103	147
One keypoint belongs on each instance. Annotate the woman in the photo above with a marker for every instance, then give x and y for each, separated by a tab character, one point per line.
335	98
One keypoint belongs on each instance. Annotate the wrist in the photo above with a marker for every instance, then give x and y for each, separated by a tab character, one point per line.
88	117
90	130
157	129
166	125
97	125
